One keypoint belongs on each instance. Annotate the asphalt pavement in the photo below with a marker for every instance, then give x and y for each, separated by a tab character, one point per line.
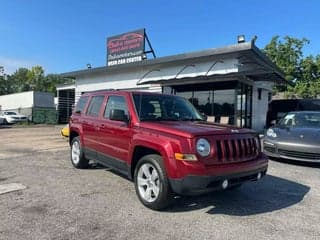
61	202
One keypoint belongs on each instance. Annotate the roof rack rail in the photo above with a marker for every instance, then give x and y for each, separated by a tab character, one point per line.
102	90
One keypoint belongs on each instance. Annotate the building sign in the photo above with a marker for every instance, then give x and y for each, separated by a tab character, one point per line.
125	48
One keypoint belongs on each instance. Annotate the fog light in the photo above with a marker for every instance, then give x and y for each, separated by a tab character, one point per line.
225	184
259	176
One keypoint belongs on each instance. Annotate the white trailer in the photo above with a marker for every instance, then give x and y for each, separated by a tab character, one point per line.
27	103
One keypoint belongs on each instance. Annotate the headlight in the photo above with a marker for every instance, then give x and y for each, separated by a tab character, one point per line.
271	133
203	147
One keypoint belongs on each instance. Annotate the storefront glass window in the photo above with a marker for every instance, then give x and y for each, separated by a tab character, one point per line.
202	100
244	108
187	95
223	107
227	106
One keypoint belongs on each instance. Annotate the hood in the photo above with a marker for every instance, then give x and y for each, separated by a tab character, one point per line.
17	116
191	129
297	134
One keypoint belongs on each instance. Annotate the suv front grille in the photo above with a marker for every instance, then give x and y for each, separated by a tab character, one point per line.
236	150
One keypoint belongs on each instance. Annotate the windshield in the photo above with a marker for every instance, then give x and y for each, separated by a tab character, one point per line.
164	108
301	119
10	113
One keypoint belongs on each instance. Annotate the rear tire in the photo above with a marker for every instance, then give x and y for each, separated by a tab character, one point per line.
77	157
151	183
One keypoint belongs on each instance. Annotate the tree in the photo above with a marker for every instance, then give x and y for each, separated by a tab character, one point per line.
3	81
34	79
19	80
302	73
2	85
287	56
52	80
308	86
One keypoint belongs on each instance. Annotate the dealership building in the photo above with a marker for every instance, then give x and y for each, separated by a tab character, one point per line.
230	84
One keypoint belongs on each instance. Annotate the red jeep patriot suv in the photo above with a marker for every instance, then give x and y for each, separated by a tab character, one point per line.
163	144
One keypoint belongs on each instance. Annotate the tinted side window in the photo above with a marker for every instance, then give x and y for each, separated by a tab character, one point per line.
95	105
81	104
115	102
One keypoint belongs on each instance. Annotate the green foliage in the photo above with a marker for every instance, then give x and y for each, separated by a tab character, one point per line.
302	73
19	80
33	79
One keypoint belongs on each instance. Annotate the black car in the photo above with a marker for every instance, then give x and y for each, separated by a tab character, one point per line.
295	137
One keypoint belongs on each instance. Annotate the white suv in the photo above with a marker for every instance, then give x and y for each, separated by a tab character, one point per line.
11	117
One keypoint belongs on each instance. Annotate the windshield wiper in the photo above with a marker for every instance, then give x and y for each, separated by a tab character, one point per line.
159	119
191	119
169	119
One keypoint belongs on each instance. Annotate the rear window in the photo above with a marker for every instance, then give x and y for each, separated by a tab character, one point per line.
81	104
95	105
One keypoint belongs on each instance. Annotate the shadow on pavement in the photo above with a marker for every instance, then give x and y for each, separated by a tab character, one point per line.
270	194
5	126
297	163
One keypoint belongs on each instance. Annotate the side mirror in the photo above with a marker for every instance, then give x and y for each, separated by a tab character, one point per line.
118	115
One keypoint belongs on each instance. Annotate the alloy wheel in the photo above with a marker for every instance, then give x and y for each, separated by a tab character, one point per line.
148	182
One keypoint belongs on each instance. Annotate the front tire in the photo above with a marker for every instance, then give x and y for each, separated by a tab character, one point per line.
151	183
78	159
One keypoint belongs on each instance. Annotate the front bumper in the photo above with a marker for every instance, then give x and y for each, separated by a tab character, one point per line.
194	185
16	120
291	151
65	132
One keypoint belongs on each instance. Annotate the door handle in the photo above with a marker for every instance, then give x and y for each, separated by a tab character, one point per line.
102	125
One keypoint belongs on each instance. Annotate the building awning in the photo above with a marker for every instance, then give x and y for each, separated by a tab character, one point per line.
239	61
252	65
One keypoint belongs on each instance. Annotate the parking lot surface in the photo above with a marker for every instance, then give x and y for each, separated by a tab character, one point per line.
61	202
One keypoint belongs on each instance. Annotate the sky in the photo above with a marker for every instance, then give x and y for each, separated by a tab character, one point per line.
63	36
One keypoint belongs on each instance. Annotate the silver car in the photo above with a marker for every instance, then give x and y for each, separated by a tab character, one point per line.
295	137
11	117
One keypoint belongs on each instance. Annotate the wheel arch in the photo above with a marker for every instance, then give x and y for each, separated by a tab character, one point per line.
139	152
72	135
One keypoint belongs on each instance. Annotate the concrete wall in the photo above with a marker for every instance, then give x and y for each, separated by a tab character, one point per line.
123	81
260	106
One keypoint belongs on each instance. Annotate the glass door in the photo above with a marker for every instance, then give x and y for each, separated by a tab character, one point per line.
244	106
